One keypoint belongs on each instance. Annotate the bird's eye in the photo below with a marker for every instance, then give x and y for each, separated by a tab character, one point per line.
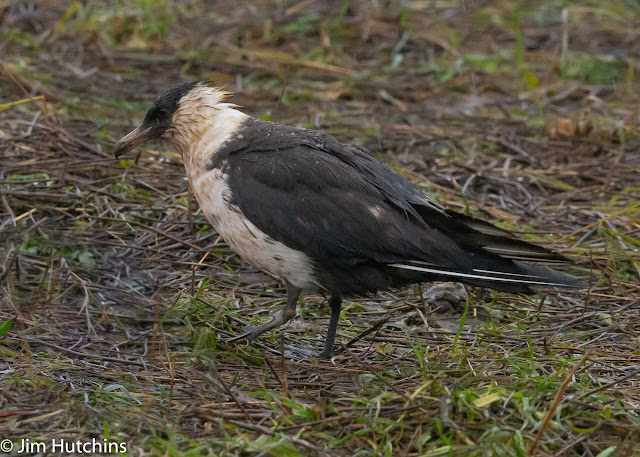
155	116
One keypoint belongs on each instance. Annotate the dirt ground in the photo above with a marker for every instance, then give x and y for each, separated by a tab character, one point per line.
116	296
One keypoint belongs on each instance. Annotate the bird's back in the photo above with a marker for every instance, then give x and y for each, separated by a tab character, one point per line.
362	226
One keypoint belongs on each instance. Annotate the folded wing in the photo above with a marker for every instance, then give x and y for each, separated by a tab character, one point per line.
345	209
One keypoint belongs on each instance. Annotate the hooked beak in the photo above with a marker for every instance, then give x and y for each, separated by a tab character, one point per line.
132	140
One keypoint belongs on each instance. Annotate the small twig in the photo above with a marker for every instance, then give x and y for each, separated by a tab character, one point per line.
570	445
153	229
556	402
22	329
273	370
282	92
172	371
283	369
364	367
12	215
611	384
85	304
85	355
268	431
512	147
232	395
358	337
33	123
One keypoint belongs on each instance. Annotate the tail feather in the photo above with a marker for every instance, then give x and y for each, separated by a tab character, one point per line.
499	280
476	233
498	260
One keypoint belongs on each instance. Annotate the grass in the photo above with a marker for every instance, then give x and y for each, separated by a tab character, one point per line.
116	296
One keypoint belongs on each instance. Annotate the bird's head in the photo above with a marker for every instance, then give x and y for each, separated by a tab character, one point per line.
186	116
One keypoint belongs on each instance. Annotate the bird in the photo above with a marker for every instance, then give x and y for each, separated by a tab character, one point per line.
326	217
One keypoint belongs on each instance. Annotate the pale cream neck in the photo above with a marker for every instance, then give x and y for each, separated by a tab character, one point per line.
201	125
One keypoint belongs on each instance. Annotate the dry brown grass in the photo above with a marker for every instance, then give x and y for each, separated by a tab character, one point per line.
120	296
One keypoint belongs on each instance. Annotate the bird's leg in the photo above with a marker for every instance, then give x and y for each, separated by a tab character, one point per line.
285	315
336	304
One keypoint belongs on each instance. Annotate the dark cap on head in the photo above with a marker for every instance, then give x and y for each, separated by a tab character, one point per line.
157	120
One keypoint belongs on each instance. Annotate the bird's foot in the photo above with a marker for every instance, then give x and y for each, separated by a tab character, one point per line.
327	352
250	333
254	331
443	297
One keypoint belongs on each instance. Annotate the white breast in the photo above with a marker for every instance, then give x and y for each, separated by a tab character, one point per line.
253	245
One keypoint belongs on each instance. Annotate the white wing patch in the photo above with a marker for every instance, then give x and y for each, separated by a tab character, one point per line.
376	210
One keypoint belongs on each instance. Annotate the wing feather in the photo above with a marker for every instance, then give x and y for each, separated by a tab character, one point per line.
344	208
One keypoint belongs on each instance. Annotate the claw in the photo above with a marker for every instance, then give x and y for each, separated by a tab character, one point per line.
327	353
249	333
